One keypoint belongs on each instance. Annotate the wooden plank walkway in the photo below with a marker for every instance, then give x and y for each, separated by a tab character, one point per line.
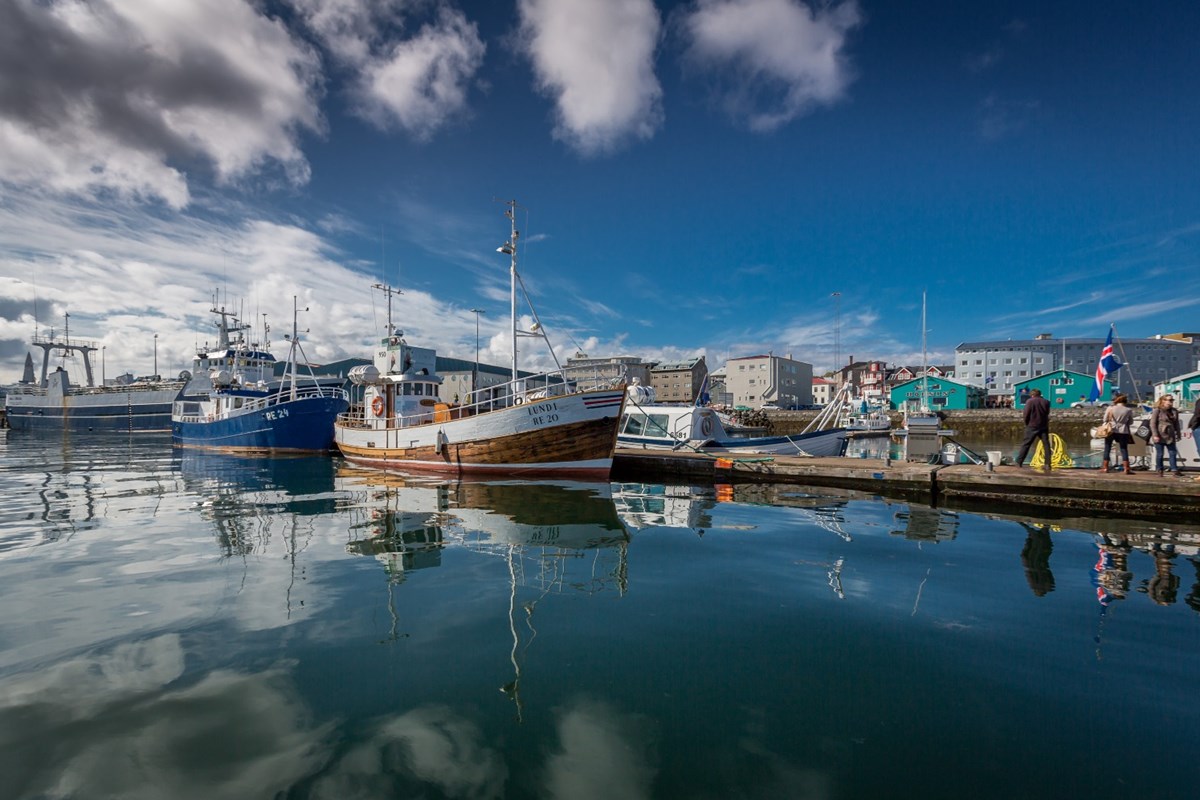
962	485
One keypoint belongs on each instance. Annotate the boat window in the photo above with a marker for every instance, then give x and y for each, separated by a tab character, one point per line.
635	424
657	425
419	388
408	389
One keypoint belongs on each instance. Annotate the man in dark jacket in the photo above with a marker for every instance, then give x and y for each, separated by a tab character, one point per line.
1037	426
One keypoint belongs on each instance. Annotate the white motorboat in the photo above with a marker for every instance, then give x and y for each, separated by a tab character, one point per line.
650	425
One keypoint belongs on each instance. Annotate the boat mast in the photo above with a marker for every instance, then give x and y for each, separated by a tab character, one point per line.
924	358
389	291
510	249
295	344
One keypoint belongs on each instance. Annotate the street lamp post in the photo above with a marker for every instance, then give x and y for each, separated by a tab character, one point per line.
156	356
475	369
103	379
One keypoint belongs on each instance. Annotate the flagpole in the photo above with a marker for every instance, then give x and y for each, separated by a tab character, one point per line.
1137	394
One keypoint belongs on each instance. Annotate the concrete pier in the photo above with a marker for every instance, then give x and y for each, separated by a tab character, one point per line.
1142	494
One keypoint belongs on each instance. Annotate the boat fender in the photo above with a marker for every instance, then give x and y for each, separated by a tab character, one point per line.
706	426
377	406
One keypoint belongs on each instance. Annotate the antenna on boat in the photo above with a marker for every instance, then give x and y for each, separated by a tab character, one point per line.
389	291
536	330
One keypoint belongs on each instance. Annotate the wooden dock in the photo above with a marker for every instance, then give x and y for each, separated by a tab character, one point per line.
967	486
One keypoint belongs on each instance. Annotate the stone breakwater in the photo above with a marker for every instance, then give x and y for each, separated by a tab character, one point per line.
974	425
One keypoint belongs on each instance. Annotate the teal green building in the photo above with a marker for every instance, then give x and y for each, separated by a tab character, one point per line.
1062	387
943	395
1185	388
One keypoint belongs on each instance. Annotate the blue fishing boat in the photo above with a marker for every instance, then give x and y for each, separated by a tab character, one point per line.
245	411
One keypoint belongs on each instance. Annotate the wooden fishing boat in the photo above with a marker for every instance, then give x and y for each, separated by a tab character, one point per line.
534	425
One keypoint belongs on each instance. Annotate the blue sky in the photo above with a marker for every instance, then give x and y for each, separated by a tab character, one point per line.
696	177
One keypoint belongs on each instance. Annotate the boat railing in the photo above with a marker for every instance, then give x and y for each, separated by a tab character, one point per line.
528	389
98	390
193	410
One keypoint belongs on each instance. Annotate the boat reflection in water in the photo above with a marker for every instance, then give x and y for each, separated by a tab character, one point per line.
554	537
193	624
250	498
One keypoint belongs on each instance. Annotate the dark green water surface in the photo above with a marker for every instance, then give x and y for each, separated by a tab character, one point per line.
185	625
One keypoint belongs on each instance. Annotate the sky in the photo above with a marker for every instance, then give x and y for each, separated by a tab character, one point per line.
713	177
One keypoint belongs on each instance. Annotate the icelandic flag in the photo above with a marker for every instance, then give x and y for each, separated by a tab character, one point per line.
702	397
1108	365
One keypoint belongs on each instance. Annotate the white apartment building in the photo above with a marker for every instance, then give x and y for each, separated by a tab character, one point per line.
997	366
754	381
823	391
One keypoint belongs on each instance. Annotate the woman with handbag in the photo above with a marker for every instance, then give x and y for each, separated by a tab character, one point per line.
1118	418
1164	432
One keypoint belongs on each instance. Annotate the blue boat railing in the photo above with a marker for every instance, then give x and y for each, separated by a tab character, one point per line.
193	410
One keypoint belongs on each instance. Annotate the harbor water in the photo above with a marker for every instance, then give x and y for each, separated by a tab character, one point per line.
184	624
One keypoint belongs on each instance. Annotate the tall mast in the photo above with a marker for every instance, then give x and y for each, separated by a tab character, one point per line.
924	357
510	248
295	344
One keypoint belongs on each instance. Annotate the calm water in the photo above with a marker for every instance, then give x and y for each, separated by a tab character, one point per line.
184	625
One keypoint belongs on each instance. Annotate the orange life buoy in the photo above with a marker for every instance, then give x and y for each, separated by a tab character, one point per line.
377	406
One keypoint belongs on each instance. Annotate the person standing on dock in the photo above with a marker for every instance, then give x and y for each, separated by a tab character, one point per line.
1037	427
1120	417
1164	433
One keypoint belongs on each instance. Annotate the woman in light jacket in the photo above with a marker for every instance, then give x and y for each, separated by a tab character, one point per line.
1165	432
1120	417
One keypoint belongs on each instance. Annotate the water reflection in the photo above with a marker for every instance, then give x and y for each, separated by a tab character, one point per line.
220	631
924	524
53	488
1035	558
552	537
127	722
251	498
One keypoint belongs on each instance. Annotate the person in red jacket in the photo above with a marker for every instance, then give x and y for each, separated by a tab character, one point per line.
1037	427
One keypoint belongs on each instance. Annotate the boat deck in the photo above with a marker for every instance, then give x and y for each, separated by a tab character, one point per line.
1141	494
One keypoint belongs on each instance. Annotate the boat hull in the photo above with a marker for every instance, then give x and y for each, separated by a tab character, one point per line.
142	411
568	435
303	425
820	444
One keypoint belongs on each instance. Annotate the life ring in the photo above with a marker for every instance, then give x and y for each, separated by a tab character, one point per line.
518	400
377	406
706	426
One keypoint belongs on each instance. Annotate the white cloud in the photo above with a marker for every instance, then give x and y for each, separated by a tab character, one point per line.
125	274
596	59
422	82
104	97
785	57
417	83
350	29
